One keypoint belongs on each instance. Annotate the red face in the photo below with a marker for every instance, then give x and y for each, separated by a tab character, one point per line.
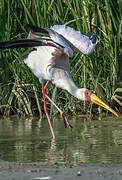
88	95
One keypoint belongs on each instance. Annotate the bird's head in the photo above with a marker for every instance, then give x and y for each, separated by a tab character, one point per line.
92	37
89	96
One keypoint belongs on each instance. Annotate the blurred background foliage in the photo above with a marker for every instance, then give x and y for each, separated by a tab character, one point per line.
20	90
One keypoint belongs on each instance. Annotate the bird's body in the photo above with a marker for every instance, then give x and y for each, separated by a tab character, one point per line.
50	60
45	64
47	61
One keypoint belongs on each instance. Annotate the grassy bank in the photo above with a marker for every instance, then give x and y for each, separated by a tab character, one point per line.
20	90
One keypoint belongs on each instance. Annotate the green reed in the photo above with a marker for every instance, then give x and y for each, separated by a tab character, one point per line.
99	71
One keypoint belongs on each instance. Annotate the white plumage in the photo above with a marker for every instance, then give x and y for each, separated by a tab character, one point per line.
48	63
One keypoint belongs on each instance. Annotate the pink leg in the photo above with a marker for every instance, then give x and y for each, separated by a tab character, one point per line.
46	112
61	112
45	86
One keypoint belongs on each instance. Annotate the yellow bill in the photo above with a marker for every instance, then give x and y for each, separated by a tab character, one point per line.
99	102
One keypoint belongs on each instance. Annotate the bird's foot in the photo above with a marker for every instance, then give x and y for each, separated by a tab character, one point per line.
66	123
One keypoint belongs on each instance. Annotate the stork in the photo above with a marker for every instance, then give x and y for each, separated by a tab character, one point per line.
49	61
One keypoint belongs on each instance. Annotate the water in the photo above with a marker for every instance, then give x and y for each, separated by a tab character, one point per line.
90	141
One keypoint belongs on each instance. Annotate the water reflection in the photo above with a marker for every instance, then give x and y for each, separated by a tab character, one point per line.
29	140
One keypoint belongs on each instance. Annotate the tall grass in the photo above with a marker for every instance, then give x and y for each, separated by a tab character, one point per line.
99	71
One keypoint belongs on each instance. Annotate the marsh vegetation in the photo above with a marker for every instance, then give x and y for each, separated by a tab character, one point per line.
20	90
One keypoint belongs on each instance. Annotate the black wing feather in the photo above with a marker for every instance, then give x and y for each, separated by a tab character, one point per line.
22	43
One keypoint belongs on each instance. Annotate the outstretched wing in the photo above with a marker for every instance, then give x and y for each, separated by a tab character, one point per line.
82	43
68	37
49	35
57	36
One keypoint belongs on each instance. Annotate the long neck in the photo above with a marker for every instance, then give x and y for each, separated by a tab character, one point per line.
64	80
71	87
75	91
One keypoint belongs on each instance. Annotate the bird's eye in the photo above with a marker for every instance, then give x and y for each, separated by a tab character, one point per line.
87	93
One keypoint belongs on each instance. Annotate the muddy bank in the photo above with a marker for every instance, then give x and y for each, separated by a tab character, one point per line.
59	171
